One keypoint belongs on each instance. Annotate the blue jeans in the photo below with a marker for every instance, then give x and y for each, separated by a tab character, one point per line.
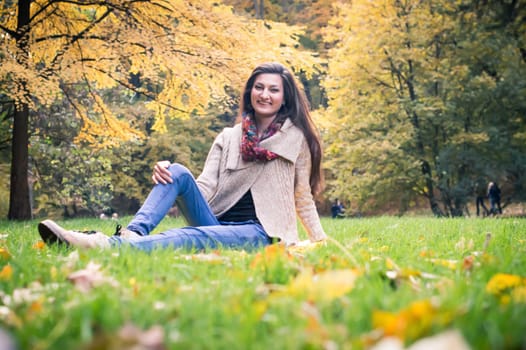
205	231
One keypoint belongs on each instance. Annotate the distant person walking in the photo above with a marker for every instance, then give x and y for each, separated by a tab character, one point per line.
481	194
494	198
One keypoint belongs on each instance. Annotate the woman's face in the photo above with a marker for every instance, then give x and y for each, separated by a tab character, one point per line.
267	96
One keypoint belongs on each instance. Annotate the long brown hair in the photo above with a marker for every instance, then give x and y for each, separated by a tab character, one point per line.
296	108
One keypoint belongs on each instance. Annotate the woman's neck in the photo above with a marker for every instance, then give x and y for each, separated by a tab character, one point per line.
262	123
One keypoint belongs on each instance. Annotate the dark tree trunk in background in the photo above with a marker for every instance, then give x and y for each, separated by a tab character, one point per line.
19	198
259	7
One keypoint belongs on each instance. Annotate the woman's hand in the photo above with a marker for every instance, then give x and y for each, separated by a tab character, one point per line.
161	174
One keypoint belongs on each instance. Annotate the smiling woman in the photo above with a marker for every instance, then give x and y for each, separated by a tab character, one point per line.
259	176
267	98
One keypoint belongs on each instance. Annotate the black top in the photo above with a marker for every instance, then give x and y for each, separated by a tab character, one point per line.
243	210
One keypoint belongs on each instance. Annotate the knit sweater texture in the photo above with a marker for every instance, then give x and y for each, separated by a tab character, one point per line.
280	187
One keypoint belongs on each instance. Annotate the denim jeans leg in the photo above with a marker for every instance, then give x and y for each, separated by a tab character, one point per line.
247	236
182	190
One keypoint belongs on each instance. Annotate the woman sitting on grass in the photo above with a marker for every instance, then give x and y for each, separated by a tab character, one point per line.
258	175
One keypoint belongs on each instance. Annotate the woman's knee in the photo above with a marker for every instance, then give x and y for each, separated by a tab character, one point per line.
178	170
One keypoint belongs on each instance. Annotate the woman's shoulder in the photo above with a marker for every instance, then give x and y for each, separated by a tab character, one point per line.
228	132
234	128
291	129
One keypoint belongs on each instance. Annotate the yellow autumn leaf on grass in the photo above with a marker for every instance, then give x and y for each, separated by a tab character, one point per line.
427	253
449	263
134	286
502	282
4	253
39	245
35	308
409	323
508	288
6	273
324	286
269	255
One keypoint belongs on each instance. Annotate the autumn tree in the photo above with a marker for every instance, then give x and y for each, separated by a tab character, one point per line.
417	101
312	14
182	55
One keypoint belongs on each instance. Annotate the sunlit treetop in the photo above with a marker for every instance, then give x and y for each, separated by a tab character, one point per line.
186	54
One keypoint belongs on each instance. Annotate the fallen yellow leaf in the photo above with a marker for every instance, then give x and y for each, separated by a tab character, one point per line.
39	245
449	263
325	286
409	323
502	282
508	288
4	253
6	273
389	323
270	254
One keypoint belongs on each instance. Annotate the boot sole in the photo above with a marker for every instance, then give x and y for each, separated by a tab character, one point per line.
50	233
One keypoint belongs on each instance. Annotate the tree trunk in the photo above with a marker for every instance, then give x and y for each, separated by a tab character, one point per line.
19	200
259	8
433	204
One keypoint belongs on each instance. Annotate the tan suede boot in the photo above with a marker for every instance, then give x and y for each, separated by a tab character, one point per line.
52	233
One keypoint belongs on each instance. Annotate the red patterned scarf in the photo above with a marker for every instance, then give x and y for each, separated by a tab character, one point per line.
250	149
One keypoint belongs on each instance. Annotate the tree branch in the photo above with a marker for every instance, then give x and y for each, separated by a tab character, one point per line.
12	33
381	82
69	36
138	91
77	37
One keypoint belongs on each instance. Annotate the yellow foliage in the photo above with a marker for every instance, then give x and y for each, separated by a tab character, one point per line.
185	52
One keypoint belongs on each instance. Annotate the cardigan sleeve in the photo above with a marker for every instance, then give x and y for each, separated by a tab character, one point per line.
305	206
209	178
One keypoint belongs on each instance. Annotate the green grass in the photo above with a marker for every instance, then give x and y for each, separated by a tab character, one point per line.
237	300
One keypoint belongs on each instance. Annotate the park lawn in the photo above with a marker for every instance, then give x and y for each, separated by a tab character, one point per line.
376	278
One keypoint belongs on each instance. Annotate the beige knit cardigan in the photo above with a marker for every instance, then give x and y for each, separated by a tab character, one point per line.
280	188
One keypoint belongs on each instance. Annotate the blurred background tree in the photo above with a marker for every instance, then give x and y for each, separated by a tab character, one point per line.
424	99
